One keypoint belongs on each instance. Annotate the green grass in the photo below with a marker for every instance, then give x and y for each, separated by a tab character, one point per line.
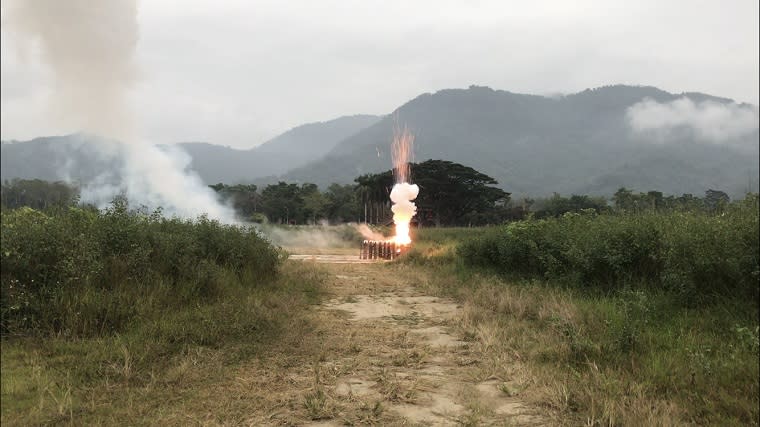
121	317
158	366
77	272
634	354
431	236
696	255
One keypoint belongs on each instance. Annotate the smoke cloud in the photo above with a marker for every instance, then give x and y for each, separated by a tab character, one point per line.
320	237
369	234
89	47
402	195
403	209
706	121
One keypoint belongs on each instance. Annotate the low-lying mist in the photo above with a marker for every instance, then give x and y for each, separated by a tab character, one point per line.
320	236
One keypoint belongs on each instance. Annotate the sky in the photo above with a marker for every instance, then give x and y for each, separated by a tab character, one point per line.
238	73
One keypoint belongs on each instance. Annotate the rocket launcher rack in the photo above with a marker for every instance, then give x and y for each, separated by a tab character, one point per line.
376	249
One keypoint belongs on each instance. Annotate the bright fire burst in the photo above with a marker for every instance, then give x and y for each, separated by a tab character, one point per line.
403	192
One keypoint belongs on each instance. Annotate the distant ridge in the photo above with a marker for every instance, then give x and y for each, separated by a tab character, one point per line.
533	145
74	156
536	145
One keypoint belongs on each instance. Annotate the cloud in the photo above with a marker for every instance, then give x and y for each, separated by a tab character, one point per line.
268	66
707	121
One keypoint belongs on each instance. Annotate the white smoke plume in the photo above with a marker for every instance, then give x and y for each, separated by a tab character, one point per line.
403	208
402	192
402	195
706	121
313	237
368	233
89	46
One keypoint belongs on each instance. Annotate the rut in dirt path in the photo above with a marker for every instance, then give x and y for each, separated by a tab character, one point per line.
407	363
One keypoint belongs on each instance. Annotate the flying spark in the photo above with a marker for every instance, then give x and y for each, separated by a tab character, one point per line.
403	192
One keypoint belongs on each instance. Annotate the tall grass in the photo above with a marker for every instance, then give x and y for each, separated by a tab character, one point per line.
694	254
645	319
111	317
80	272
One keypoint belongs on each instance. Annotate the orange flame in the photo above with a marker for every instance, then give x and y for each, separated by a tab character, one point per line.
402	234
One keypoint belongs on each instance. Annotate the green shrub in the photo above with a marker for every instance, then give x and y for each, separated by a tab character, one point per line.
80	271
694	254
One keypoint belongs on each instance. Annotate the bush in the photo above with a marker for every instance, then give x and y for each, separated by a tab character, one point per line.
80	271
694	254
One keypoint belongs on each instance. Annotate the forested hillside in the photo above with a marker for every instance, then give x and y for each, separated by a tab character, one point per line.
592	142
580	143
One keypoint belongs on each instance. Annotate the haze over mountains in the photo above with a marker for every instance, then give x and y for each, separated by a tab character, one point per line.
592	142
76	157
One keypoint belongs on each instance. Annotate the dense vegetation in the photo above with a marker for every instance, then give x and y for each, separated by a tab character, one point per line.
693	253
80	272
37	194
638	315
99	305
451	195
643	307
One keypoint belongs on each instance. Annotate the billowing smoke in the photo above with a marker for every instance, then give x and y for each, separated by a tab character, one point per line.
89	47
707	121
403	209
369	234
153	177
403	193
311	237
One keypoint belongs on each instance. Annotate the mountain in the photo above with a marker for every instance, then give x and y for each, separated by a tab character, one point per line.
77	156
68	158
580	143
591	142
290	150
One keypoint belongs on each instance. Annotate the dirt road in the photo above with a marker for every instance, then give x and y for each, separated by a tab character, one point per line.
384	353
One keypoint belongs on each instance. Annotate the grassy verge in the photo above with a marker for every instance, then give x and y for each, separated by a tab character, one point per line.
157	370
122	317
631	355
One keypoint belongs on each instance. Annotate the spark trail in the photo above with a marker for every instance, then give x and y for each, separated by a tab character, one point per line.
403	193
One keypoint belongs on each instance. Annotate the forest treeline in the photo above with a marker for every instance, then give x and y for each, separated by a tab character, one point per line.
451	194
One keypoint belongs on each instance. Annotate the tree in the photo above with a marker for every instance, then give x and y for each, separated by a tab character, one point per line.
314	203
343	203
282	202
37	194
558	205
716	200
623	199
455	194
375	190
243	197
450	194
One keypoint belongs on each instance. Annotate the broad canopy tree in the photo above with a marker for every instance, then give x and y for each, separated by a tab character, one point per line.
454	194
243	197
450	193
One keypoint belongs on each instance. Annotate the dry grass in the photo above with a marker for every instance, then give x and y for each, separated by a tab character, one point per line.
141	378
535	344
308	382
558	349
